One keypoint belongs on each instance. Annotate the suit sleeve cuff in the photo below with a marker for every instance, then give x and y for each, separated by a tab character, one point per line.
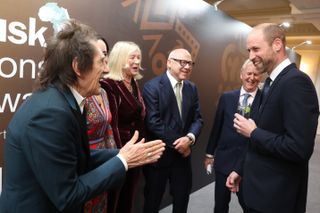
192	138
209	156
123	161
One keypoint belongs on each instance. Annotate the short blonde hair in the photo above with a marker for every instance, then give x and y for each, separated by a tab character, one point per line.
118	59
245	64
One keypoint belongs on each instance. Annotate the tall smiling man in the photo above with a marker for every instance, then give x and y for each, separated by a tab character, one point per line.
275	173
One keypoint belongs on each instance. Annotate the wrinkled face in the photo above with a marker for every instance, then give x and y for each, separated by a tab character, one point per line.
180	64
90	81
104	50
250	78
133	65
261	53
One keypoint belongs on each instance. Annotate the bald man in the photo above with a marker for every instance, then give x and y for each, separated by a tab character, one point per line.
173	115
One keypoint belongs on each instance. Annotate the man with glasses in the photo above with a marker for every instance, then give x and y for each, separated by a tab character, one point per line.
173	115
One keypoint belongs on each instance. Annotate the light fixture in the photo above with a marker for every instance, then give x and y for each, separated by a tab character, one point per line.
302	43
285	24
215	5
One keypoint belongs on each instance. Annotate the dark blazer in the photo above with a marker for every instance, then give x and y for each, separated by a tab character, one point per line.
48	164
128	112
224	142
276	166
163	119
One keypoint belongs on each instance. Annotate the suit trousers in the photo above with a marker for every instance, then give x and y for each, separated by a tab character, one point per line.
222	195
179	175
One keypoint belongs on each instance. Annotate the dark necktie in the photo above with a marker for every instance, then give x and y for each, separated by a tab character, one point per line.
266	88
84	115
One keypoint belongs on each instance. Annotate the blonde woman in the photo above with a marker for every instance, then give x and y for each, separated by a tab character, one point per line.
128	112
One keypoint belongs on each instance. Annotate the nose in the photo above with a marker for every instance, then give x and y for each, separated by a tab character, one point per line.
188	66
251	55
137	61
106	68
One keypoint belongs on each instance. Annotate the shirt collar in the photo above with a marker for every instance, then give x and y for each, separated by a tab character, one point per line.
253	94
172	80
78	97
279	68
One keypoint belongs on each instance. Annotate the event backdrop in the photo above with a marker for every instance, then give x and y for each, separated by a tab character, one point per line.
216	41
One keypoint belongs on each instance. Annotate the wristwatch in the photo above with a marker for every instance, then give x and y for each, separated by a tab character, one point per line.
191	139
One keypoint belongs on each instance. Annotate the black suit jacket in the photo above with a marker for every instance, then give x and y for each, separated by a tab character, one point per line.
163	120
48	165
225	143
276	165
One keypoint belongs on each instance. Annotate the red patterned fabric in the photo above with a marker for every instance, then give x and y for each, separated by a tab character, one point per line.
100	137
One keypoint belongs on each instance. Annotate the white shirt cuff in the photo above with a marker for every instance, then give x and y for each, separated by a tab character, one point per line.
209	156
123	161
193	138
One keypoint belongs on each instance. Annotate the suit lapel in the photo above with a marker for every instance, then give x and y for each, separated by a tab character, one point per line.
186	100
235	100
82	122
254	111
169	96
274	86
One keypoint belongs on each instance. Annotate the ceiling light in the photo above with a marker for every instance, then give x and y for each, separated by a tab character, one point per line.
302	43
285	24
215	4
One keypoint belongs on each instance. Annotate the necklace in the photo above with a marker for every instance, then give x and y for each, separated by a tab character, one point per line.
128	85
127	81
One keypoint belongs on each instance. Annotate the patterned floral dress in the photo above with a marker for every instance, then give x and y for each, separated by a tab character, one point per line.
100	137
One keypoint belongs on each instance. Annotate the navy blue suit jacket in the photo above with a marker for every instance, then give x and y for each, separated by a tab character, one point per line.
225	143
163	119
276	165
48	165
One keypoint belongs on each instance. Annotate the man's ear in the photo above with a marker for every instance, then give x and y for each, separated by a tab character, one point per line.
75	66
277	44
169	64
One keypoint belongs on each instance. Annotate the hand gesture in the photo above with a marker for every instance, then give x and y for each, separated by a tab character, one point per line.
140	153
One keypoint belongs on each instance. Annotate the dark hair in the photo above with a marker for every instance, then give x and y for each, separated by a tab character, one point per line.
100	37
74	41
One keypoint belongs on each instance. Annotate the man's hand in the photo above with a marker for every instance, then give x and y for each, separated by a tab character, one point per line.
208	161
138	154
182	145
243	126
233	182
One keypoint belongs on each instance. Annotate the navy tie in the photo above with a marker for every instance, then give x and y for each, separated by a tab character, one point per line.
266	88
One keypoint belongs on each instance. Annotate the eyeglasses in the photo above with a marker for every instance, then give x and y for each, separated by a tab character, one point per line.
183	63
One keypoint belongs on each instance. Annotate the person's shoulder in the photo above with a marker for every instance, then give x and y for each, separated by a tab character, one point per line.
188	82
108	81
48	94
155	80
295	73
230	93
109	85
